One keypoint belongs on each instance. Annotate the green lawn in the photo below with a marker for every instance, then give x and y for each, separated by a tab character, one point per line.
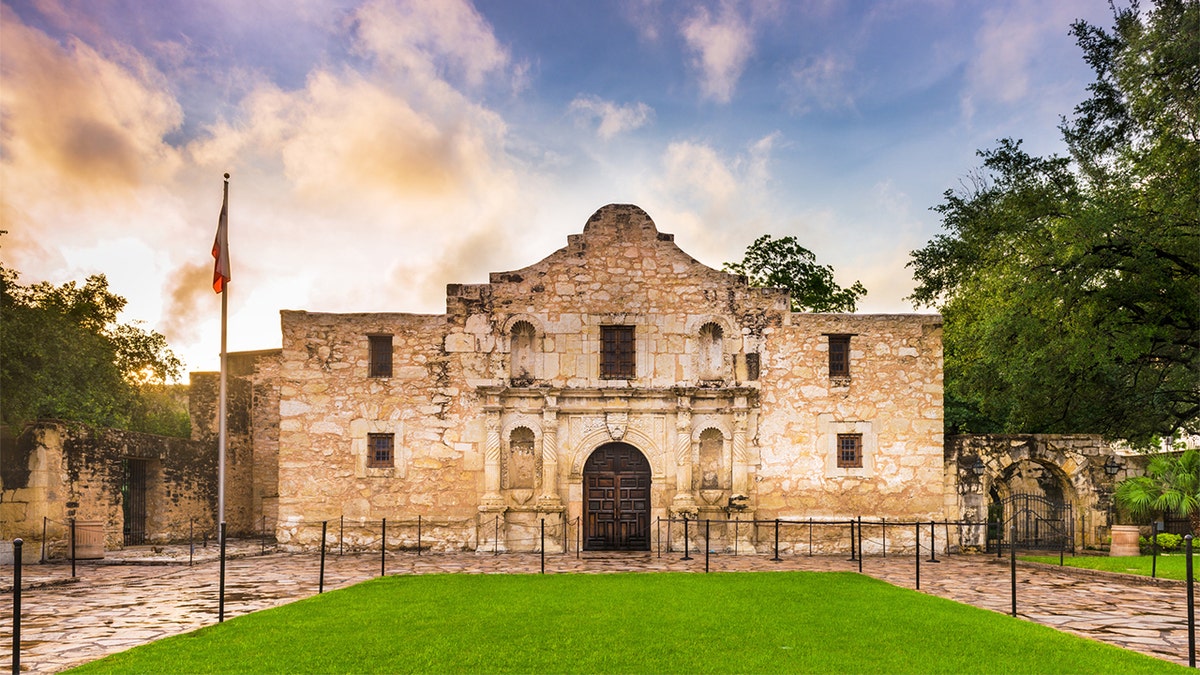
793	622
1170	565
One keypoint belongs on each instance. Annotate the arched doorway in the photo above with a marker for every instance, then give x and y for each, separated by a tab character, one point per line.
616	499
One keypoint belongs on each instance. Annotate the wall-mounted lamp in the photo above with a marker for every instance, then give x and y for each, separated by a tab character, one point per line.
978	468
1113	466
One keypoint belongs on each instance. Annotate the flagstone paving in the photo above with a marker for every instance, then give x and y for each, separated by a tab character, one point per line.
140	595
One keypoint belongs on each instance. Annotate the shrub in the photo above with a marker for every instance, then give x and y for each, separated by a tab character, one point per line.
1166	542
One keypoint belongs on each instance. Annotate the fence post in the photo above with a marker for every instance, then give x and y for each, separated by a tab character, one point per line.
686	555
657	535
562	518
1191	604
777	558
932	543
579	538
542	545
852	551
736	523
1153	550
418	534
383	550
221	590
72	548
321	582
883	526
341	533
43	560
263	529
191	540
1013	565
16	603
496	538
809	539
706	546
917	530
860	548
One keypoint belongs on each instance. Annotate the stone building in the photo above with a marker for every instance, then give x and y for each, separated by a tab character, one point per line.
613	383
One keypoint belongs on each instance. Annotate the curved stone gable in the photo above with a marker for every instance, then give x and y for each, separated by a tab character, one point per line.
622	263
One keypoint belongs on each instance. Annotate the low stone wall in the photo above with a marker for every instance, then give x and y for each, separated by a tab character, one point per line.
55	471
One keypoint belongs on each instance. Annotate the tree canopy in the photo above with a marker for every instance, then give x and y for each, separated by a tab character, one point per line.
784	263
64	355
1070	286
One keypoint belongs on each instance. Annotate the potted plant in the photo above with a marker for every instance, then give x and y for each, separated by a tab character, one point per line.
1171	485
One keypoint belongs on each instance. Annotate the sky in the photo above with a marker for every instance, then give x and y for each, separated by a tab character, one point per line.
380	149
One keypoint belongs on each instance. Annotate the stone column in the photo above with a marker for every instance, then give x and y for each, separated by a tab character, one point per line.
491	461
549	499
684	500
741	458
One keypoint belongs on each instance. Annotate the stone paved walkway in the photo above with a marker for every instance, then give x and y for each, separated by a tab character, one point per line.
111	607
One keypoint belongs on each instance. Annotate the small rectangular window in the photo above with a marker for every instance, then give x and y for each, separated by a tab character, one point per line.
381	355
753	365
839	356
381	451
849	451
616	353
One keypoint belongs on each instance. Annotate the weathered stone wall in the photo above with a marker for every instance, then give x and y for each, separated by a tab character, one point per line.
251	434
1069	468
893	397
75	471
730	398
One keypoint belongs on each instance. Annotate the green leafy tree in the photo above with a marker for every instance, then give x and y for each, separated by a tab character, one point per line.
784	263
1070	286
64	355
1171	485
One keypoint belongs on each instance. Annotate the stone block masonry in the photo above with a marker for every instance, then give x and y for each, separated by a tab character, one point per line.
490	412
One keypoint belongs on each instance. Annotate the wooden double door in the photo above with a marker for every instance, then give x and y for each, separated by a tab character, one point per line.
616	500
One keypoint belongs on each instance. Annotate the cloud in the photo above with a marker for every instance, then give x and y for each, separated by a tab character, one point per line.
715	202
820	82
187	286
722	46
614	119
430	37
1010	47
80	123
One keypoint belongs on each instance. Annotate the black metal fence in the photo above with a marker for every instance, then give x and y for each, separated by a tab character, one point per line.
858	538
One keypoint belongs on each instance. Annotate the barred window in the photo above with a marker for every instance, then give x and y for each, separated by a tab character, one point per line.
381	355
839	356
616	353
381	451
849	451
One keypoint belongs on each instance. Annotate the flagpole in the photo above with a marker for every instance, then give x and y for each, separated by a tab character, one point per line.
222	415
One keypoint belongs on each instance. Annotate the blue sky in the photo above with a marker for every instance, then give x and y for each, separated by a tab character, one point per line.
381	149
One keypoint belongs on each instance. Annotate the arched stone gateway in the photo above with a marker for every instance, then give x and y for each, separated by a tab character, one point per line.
985	471
616	499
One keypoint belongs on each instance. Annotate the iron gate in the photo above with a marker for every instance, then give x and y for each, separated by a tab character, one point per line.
133	494
1042	524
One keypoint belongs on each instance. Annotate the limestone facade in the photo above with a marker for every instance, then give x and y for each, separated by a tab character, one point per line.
494	408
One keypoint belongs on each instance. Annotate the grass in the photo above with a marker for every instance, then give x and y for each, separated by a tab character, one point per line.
1170	565
794	622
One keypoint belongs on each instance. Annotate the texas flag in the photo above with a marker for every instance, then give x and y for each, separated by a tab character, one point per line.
220	249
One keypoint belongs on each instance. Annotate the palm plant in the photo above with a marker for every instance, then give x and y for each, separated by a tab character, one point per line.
1171	485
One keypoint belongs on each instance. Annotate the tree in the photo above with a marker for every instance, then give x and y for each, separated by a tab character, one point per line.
784	263
1171	485
64	355
1070	286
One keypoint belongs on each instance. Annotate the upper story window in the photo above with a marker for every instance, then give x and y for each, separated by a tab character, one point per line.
839	358
616	353
381	451
849	451
522	340
381	355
